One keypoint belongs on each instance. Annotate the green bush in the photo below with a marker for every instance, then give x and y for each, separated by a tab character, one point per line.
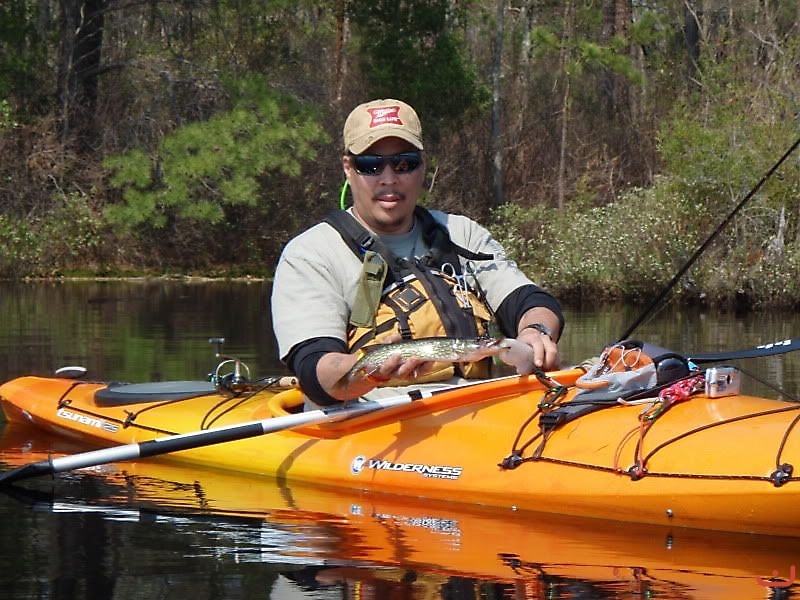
632	248
627	249
68	237
20	251
715	147
71	235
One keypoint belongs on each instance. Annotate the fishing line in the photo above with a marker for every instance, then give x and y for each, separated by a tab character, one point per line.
682	271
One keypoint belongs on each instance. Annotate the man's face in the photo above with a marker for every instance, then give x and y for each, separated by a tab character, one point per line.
385	201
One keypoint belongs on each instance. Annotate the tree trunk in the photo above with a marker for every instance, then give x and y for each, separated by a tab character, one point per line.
562	155
496	137
518	96
615	88
81	31
691	33
43	19
566	56
341	39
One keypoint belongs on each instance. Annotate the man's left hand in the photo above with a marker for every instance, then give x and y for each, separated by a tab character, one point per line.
531	349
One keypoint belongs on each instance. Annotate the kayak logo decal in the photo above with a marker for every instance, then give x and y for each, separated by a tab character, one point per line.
86	420
357	465
430	471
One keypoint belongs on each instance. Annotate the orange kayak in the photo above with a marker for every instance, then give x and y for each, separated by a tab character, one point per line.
721	463
374	540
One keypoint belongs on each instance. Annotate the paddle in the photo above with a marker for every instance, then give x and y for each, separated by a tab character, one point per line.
771	349
241	431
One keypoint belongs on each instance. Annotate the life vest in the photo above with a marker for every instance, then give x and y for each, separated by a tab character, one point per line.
419	297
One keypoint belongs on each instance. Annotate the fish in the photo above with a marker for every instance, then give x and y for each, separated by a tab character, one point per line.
435	349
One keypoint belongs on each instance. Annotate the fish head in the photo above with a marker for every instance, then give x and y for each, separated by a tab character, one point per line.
481	347
517	354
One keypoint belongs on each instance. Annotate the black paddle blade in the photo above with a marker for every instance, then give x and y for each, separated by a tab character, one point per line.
29	471
771	349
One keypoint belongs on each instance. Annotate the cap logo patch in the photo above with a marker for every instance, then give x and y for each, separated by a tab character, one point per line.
388	115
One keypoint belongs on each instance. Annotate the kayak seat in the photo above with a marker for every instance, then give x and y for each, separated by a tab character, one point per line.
285	403
117	394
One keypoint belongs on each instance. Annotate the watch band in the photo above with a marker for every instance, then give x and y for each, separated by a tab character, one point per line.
541	328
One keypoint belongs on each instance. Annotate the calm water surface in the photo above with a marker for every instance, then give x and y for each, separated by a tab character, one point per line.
154	530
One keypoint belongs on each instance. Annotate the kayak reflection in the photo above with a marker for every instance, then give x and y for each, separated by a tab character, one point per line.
323	543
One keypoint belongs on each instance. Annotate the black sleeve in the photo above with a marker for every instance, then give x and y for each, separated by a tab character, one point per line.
302	361
519	301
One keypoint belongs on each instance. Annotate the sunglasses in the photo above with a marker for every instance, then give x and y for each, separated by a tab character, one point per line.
374	164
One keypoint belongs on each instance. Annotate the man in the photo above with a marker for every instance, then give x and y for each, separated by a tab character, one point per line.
387	270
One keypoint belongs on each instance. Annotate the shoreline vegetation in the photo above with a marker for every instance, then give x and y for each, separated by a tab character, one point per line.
601	142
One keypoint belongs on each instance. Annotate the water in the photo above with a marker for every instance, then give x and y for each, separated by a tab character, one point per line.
133	330
155	530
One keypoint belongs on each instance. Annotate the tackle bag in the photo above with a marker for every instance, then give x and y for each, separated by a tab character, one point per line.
624	369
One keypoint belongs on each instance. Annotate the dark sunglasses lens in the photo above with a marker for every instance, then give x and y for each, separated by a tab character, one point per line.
405	162
368	164
373	164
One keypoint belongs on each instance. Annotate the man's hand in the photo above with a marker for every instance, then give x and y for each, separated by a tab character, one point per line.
544	351
334	369
535	345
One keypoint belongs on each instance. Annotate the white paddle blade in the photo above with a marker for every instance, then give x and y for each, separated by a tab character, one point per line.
71	372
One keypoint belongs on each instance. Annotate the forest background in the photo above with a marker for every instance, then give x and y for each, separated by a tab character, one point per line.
602	141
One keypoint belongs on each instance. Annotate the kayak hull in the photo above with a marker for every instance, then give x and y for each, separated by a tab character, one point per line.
712	463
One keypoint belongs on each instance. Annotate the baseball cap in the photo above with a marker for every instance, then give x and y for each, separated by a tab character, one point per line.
378	119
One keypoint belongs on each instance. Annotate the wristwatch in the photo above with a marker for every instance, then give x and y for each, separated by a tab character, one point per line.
543	329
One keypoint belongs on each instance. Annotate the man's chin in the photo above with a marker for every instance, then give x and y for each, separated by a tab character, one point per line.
393	223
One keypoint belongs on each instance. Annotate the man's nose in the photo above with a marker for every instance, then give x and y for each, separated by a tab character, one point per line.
387	174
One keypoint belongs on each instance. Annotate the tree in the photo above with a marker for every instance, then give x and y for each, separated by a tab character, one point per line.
496	135
81	25
588	49
411	47
22	53
202	169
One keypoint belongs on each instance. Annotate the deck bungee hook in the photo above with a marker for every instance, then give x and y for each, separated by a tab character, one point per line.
554	392
693	258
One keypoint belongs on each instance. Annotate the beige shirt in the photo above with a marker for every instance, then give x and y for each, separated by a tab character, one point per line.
316	278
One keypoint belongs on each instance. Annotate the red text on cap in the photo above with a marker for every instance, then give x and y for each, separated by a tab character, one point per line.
385	115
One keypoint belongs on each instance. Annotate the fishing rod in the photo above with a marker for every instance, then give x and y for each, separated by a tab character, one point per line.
682	271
